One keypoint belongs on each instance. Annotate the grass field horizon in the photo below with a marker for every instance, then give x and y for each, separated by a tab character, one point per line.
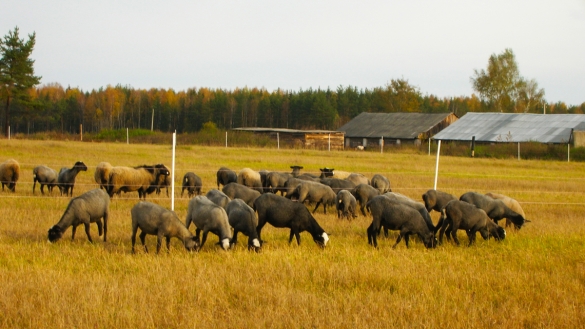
534	278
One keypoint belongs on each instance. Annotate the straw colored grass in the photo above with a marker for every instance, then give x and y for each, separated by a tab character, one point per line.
535	278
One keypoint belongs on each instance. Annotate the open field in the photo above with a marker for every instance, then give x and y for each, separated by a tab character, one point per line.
535	278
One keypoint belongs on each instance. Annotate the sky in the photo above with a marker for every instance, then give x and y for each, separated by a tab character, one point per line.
293	45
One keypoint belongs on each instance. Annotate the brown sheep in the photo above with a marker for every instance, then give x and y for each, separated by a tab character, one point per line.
9	173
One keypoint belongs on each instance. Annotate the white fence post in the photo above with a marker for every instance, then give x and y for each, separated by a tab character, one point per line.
437	166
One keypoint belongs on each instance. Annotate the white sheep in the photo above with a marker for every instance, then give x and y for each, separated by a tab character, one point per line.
139	179
251	179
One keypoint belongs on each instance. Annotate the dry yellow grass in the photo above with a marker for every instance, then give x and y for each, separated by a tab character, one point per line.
535	278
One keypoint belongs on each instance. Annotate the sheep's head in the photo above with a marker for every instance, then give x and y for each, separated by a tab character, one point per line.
80	166
55	233
192	244
254	244
321	240
430	240
499	234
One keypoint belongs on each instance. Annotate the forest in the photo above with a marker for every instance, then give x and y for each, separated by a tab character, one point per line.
51	107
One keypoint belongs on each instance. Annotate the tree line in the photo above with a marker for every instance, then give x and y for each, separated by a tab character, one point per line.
30	107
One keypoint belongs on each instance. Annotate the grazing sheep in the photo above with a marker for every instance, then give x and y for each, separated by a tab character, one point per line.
290	185
364	193
511	203
400	198
494	208
192	183
243	219
460	215
346	205
332	173
102	174
337	184
90	207
381	183
281	212
314	192
239	191
437	200
226	176
155	220
45	176
251	179
66	178
164	181
397	216
358	179
218	197
138	179
275	182
9	172
209	217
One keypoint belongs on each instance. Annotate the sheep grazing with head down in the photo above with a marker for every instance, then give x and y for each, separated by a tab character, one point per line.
218	197
510	203
381	183
401	198
460	215
209	217
275	182
346	205
494	208
364	193
192	183
153	219
90	207
437	200
400	217
251	179
9	173
45	176
102	174
282	212
243	219
66	178
314	193
226	176
239	191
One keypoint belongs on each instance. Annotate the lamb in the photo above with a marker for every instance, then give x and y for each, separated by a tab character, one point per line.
495	209
243	219
397	216
381	183
251	179
209	217
9	173
511	203
281	212
155	220
314	192
346	205
239	191
102	174
139	179
66	178
192	183
460	215
364	193
226	176
332	173
90	207
437	200
218	197
400	198
45	176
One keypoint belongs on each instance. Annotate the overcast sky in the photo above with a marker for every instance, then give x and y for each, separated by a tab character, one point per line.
293	45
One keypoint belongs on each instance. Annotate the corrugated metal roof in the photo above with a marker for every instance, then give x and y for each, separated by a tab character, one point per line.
513	127
392	125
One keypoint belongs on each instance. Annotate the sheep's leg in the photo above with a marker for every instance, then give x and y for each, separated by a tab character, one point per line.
100	227
372	235
453	232
362	206
259	229
317	206
197	232
134	230
406	239
397	240
204	238
73	229
168	243
159	237
235	238
105	226
471	235
143	240
87	232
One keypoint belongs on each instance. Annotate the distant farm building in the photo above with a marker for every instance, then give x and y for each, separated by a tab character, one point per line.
313	139
369	129
516	128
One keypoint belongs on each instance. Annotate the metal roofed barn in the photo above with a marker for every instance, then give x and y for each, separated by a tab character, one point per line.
513	127
367	129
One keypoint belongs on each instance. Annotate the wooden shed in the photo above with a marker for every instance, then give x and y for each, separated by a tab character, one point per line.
313	139
368	129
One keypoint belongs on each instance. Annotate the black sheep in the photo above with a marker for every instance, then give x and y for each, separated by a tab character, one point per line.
243	219
226	176
460	215
282	212
192	183
437	200
400	217
66	178
364	193
239	191
494	208
381	183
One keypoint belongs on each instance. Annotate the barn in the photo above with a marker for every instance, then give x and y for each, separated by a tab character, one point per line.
312	139
515	128
373	129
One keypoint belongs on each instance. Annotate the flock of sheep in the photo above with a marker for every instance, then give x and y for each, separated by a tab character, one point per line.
249	200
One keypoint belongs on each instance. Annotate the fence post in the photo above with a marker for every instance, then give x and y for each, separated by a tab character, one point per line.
277	141
437	166
473	146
